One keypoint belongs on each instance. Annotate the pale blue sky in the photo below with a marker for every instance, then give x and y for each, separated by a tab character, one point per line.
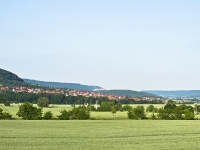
115	44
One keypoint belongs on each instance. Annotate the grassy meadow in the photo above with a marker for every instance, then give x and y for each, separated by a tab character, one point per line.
56	108
102	133
99	134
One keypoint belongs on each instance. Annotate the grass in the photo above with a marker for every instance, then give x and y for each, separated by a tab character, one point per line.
55	109
99	134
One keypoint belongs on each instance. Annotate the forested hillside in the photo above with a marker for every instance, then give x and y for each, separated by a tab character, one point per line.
126	93
74	86
6	75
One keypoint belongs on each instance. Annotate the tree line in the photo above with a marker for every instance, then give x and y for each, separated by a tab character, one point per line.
20	97
169	112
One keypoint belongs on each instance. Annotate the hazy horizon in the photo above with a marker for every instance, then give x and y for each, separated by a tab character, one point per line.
136	45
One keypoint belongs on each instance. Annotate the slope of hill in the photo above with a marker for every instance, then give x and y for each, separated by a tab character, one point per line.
74	86
177	94
126	93
7	75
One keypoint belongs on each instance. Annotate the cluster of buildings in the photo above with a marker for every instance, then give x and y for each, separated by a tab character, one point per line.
109	96
32	90
94	94
68	92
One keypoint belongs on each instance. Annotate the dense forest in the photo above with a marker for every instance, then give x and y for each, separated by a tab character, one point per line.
126	93
20	97
6	75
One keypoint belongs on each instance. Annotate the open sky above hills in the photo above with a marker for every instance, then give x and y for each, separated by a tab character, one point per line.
137	45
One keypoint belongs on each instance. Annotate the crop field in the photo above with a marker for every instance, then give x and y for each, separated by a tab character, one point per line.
99	134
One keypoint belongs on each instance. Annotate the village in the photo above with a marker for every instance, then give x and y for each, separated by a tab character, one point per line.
69	92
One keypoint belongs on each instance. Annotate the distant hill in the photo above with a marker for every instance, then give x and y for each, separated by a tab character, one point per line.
74	86
7	75
177	94
126	93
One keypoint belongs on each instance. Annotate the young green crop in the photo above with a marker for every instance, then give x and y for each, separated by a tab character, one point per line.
99	134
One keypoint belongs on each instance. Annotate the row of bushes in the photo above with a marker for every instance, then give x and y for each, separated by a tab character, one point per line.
169	112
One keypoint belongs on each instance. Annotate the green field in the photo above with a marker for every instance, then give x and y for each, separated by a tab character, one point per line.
55	109
99	134
102	133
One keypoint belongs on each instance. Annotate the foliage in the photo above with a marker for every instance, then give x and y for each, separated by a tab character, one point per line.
28	112
113	110
43	102
127	108
77	113
153	117
5	115
163	114
6	75
150	108
170	105
64	115
126	93
7	103
107	106
137	113
48	115
188	115
173	112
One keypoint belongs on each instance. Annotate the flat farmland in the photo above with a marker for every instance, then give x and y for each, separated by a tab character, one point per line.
99	134
56	108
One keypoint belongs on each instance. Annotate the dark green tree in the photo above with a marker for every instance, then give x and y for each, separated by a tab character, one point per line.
5	115
43	102
163	114
80	113
28	112
189	115
48	115
170	105
127	108
137	113
150	108
153	117
64	115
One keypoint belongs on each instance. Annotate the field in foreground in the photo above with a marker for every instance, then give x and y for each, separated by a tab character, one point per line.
99	134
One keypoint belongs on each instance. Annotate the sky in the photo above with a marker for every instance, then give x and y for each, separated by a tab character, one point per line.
115	44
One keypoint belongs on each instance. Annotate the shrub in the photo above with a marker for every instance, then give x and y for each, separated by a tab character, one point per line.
79	113
43	102
5	115
28	112
137	113
189	115
48	115
64	115
127	108
7	103
150	108
153	117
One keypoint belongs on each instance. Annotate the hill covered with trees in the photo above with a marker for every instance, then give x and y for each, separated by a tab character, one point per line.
7	75
127	93
75	86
